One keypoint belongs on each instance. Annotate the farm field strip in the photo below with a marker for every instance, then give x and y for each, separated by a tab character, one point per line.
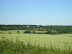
42	39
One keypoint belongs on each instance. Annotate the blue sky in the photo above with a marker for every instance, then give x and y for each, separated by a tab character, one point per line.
36	12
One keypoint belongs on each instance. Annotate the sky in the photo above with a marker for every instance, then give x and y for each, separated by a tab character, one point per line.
36	12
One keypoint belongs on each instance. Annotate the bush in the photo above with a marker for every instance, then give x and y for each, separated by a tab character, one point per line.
48	32
27	32
34	32
41	29
0	32
53	32
9	33
18	32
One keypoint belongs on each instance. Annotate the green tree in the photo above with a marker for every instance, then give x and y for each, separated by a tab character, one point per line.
53	32
27	32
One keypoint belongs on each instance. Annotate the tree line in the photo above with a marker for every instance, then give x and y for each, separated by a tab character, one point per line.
50	29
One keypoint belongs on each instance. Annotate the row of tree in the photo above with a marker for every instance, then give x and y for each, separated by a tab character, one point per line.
57	29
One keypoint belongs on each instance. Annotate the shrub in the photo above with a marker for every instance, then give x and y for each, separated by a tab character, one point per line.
41	29
53	32
0	32
48	32
9	33
34	32
18	32
27	32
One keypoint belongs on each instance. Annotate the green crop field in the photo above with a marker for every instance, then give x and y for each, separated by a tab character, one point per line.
58	40
21	43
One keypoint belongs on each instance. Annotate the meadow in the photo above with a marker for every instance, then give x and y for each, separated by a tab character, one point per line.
58	41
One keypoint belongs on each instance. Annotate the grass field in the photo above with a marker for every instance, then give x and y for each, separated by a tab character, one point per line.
21	31
39	43
58	40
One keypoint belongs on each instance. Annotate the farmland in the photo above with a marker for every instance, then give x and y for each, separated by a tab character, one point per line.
36	27
57	40
34	43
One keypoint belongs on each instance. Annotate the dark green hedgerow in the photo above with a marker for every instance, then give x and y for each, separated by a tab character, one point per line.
10	47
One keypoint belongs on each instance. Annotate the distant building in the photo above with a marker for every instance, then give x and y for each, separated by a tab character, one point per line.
27	26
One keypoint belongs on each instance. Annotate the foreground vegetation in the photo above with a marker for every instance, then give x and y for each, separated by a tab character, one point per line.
10	47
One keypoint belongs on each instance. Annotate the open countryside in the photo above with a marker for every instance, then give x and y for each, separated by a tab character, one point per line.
39	37
42	39
35	26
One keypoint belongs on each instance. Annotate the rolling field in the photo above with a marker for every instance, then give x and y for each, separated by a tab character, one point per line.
21	31
22	43
58	41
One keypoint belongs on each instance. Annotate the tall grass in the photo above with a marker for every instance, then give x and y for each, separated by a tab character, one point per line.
18	47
